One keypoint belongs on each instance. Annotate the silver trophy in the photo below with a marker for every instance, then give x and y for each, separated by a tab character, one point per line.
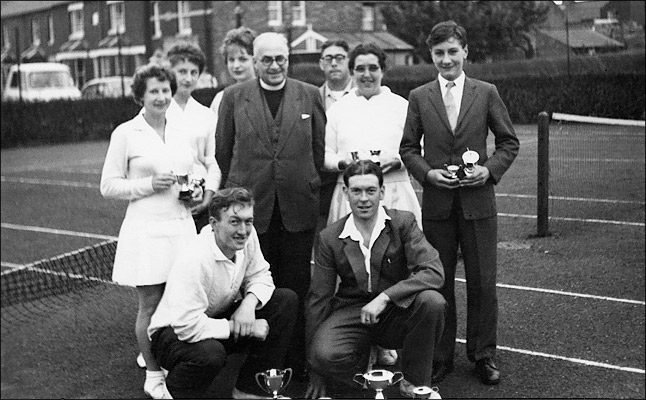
453	170
425	392
378	379
187	186
470	159
374	156
273	380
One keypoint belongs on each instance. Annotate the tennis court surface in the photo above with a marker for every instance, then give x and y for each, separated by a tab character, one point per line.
572	305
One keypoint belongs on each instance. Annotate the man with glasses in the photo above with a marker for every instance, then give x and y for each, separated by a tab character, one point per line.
270	138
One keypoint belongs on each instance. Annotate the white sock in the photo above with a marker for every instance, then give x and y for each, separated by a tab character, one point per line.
154	377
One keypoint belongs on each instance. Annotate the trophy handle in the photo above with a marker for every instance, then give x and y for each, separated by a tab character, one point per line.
286	370
264	384
401	376
360	383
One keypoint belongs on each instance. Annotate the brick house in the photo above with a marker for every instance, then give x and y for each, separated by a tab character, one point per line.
108	38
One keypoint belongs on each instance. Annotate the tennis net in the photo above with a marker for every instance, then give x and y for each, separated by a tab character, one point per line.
38	285
596	169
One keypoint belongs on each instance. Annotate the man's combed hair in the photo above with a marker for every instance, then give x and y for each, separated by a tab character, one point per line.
363	167
335	42
445	30
225	198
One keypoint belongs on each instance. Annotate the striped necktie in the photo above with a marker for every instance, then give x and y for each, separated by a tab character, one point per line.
451	108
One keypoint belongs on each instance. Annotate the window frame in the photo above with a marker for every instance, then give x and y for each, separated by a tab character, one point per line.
117	22
275	7
76	20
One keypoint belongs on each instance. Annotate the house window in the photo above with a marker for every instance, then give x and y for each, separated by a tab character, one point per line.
274	13
183	18
50	30
75	11
156	21
298	13
35	32
368	17
117	17
6	39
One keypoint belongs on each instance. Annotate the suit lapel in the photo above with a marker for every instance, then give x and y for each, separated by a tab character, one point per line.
255	109
438	103
290	112
356	260
468	96
377	254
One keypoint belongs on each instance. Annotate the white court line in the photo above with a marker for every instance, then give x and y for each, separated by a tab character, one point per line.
570	359
600	221
57	231
52	182
532	196
559	292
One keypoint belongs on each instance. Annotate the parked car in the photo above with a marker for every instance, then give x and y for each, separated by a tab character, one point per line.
109	86
40	82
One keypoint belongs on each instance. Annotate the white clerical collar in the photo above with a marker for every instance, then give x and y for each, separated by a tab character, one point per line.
270	87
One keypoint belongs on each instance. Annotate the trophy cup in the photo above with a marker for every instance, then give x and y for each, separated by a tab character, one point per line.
273	380
379	379
470	159
425	392
355	155
374	156
453	170
187	186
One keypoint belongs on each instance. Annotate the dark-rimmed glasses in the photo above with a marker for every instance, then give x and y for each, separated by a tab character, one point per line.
362	68
267	60
339	58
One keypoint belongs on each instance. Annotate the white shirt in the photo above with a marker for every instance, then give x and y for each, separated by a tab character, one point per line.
456	91
199	124
204	283
350	230
332	96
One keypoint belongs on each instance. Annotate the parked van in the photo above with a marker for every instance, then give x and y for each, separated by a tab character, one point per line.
40	82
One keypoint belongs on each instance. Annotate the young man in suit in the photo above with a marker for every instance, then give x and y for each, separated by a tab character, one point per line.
389	277
454	114
270	138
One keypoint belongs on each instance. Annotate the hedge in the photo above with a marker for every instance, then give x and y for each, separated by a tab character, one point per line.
610	86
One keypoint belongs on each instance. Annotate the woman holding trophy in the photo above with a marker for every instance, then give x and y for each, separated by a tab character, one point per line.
145	157
368	123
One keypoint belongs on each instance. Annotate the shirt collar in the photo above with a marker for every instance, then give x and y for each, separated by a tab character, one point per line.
350	228
347	88
459	81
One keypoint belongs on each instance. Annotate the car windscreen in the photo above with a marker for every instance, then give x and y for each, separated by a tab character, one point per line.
50	79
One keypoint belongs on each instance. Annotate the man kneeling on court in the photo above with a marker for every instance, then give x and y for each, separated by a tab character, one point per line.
221	298
387	294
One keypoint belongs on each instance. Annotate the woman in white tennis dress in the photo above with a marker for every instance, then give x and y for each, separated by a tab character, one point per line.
144	158
369	118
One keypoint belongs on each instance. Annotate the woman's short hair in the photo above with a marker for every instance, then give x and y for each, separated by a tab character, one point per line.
145	72
367	48
225	198
363	167
445	30
187	52
242	37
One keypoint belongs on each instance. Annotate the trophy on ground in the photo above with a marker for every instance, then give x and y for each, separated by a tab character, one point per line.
273	380
378	379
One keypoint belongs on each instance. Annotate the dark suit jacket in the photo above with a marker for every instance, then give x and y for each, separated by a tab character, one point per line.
402	264
481	110
287	170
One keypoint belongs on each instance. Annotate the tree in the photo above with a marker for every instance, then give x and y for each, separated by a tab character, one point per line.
494	28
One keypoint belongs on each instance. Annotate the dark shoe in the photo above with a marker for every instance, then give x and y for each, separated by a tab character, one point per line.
440	371
487	371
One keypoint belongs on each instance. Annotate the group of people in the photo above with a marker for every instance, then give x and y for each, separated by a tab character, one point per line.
306	244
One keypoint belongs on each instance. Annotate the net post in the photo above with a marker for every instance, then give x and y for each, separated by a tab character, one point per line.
542	182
